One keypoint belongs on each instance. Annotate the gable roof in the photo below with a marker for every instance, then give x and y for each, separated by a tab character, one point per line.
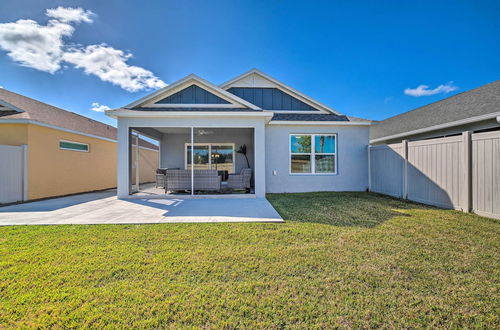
478	102
192	95
51	115
192	79
257	78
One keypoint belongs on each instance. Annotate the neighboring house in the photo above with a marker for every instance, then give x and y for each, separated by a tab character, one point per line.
56	152
294	143
477	110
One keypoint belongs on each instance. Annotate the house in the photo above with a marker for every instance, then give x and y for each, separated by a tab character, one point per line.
46	151
293	143
476	110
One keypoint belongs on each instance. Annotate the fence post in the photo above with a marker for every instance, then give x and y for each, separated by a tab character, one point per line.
467	170
405	168
369	170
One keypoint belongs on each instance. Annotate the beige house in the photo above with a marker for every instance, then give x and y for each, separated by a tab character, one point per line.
46	151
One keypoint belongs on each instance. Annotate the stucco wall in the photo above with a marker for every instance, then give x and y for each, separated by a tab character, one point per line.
55	172
148	163
352	172
173	147
13	134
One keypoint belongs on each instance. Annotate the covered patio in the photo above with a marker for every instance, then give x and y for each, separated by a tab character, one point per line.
198	161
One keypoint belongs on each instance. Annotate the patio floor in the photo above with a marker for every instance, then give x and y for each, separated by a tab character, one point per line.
105	208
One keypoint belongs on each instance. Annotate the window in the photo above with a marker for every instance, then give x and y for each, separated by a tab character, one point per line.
313	154
215	156
75	146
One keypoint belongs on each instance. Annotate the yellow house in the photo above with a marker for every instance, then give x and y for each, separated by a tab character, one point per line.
63	152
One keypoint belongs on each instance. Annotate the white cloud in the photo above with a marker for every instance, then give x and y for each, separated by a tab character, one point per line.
43	47
68	15
109	64
33	45
99	107
423	90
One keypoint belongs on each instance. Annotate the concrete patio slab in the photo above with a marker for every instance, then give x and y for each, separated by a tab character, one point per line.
105	208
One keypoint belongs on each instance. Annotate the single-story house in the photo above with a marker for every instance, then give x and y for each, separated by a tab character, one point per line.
476	110
46	151
289	141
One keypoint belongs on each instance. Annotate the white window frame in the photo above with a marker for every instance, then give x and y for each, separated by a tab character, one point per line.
186	145
68	141
312	153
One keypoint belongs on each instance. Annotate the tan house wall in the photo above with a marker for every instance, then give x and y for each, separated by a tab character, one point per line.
13	134
148	163
55	172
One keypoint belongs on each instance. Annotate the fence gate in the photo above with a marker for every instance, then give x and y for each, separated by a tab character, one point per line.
13	185
486	174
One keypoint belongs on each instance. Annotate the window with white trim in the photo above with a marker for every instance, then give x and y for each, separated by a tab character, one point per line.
313	153
74	146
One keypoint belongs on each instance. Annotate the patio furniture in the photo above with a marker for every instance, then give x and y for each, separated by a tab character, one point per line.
240	181
205	180
160	177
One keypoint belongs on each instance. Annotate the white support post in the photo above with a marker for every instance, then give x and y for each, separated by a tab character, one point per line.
123	174
466	171
405	168
260	160
192	161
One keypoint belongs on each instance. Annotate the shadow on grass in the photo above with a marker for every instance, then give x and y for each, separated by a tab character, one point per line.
349	209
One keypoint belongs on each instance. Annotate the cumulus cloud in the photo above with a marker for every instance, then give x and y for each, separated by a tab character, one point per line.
44	48
109	64
99	107
423	90
33	45
69	15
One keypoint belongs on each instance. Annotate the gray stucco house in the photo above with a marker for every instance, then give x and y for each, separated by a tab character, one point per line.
293	143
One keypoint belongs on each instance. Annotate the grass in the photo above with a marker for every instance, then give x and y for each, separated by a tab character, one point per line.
341	260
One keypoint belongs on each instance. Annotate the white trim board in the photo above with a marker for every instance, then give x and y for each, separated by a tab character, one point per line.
281	86
141	114
440	126
324	123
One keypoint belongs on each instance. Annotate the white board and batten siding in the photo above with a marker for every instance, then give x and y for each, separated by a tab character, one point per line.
486	174
13	174
459	172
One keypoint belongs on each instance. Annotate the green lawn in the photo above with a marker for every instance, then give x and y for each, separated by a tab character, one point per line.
341	259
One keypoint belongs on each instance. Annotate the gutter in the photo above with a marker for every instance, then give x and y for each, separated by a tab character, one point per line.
494	115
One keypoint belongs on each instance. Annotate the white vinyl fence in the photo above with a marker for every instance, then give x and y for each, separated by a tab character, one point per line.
459	172
13	178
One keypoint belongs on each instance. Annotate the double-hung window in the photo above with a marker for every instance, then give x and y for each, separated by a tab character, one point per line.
313	153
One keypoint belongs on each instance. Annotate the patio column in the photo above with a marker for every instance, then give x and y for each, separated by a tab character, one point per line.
260	160
123	159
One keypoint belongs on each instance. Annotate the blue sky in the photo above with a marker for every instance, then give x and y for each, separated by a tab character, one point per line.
358	57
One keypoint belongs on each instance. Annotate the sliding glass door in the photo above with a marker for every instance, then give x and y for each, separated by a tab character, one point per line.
215	156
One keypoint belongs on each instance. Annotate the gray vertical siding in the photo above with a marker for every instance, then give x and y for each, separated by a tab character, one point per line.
193	95
486	174
270	98
386	169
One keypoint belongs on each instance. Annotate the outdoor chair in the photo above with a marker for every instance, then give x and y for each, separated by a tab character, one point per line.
240	181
